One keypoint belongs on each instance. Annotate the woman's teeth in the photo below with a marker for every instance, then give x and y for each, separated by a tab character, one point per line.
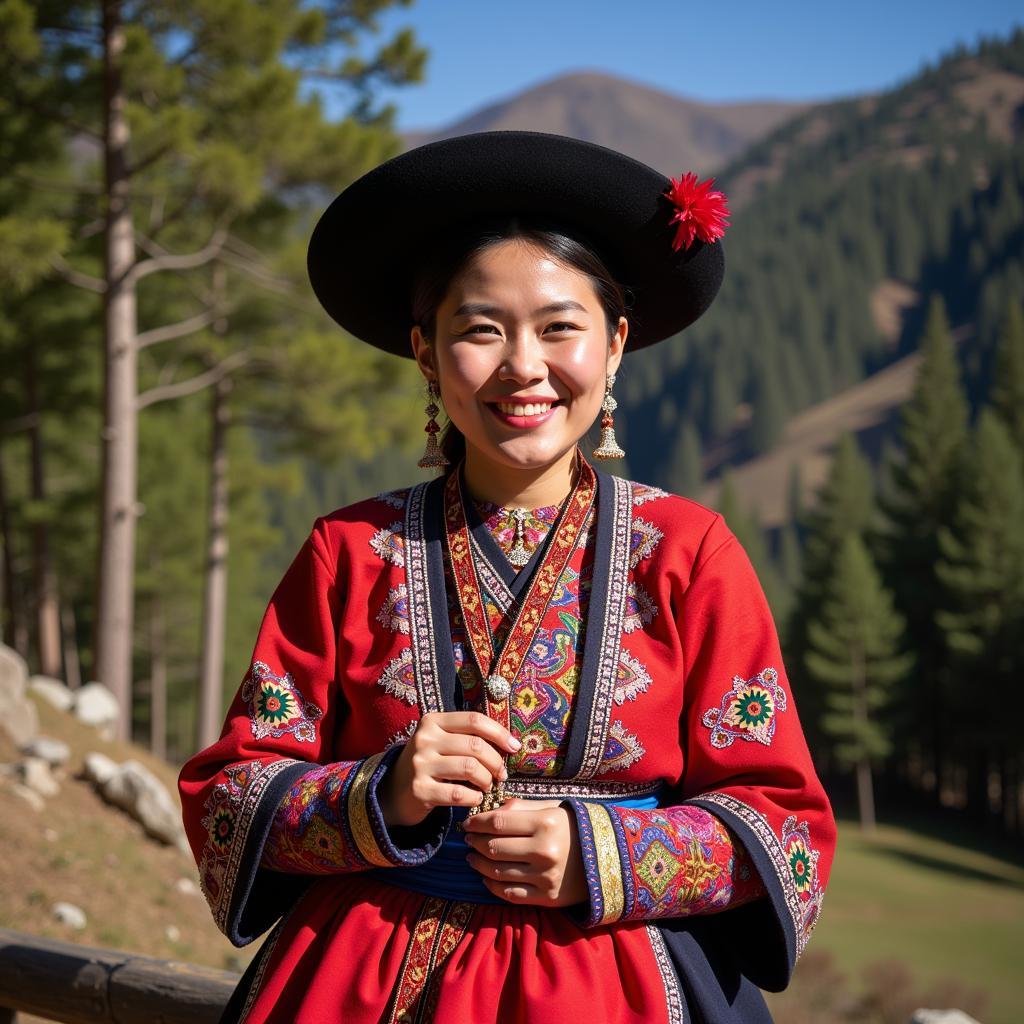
523	410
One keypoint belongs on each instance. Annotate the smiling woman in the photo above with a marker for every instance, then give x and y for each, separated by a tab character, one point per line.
517	743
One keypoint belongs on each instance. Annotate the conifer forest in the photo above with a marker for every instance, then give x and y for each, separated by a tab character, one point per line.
176	409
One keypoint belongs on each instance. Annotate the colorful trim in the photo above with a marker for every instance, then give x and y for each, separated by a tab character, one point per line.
792	859
675	1002
276	707
438	930
230	809
747	711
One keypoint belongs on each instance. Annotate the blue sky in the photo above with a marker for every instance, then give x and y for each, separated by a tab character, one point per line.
484	50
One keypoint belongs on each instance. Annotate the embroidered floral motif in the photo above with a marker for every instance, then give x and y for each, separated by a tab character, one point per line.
399	679
503	525
394	612
276	708
747	710
403	735
389	544
644	538
394	499
622	750
643	493
640	608
802	860
631	679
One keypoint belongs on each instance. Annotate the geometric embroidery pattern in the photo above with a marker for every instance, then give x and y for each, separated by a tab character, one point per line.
631	679
623	749
389	544
276	707
399	679
748	710
643	540
643	493
394	612
640	608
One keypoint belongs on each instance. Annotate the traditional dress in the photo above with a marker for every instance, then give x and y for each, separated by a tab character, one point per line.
649	693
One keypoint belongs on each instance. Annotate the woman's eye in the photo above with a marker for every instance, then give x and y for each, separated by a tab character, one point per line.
561	323
479	327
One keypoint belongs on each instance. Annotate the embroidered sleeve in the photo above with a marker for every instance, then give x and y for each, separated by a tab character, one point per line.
277	732
330	821
747	761
661	862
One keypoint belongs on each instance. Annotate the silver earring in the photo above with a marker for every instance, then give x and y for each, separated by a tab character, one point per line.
433	457
609	447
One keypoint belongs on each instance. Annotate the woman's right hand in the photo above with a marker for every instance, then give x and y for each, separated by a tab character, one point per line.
449	754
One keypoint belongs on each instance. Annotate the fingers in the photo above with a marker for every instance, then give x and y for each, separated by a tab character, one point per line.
475	748
522	849
463	767
476	723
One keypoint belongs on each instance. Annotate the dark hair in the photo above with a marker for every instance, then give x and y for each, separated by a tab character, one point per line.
434	277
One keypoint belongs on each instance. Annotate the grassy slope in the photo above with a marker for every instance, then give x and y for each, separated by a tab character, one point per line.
953	916
946	911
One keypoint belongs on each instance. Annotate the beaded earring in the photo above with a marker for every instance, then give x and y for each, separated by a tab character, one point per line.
609	447
433	457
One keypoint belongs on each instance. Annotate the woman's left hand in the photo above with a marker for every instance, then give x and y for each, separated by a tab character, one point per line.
528	851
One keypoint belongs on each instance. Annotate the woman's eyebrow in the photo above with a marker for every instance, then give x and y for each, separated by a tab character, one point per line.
485	309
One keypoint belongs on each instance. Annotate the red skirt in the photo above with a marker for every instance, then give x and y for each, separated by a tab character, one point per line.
358	951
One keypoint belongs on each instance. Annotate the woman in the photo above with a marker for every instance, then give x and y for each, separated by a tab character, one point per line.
517	742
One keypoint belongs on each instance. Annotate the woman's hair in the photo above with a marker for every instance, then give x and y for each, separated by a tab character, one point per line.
435	275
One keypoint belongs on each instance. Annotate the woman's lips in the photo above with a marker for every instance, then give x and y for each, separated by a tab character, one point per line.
532	414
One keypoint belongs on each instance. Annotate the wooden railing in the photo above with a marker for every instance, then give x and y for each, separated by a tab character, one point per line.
60	981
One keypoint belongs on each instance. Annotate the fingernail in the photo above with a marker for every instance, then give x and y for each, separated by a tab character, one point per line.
504	773
514	743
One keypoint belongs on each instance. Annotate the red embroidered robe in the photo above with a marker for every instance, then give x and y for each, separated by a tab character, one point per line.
664	672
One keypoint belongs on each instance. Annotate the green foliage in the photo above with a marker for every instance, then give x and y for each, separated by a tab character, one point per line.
853	652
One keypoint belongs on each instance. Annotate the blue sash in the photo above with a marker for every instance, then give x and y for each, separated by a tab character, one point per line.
449	875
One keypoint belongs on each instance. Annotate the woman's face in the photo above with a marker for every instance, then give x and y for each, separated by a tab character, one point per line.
521	355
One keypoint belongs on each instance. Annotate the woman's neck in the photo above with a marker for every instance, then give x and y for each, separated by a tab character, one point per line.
519	488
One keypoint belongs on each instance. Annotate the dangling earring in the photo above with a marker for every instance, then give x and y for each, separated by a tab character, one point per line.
433	457
609	447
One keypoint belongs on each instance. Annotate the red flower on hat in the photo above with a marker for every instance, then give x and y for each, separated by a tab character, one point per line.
700	212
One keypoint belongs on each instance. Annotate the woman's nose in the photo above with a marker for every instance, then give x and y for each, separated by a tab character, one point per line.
523	358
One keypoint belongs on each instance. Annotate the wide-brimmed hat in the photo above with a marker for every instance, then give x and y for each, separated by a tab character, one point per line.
366	247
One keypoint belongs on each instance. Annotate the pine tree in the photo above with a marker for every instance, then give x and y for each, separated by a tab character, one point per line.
919	499
852	652
981	613
1008	385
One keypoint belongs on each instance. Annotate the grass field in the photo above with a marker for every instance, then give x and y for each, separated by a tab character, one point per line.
924	919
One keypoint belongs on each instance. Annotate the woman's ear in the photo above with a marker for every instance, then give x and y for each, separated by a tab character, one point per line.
423	353
618	345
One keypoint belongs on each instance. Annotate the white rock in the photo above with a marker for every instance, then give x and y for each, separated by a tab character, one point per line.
19	720
172	933
70	915
30	796
13	673
941	1017
53	691
98	768
186	887
135	789
53	752
35	773
95	705
51	835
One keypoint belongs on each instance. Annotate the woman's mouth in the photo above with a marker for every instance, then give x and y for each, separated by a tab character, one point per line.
523	415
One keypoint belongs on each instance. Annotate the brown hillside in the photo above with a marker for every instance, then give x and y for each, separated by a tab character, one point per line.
668	132
83	851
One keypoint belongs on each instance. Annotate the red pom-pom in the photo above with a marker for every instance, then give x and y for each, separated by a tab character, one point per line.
700	212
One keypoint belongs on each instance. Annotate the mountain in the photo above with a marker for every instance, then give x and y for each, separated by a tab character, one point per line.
670	133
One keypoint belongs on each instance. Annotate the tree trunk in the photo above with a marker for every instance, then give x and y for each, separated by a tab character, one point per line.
120	428
15	633
44	580
865	787
211	677
157	678
72	665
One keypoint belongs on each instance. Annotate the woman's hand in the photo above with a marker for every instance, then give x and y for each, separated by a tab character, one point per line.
449	754
528	851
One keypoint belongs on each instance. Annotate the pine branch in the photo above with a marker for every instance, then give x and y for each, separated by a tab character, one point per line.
183	327
169	261
76	277
224	368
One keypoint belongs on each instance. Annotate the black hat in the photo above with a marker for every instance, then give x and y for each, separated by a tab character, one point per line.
367	245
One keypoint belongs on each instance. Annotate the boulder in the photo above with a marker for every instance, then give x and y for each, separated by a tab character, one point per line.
70	915
19	720
136	790
95	705
53	691
53	752
186	887
36	775
98	768
30	796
